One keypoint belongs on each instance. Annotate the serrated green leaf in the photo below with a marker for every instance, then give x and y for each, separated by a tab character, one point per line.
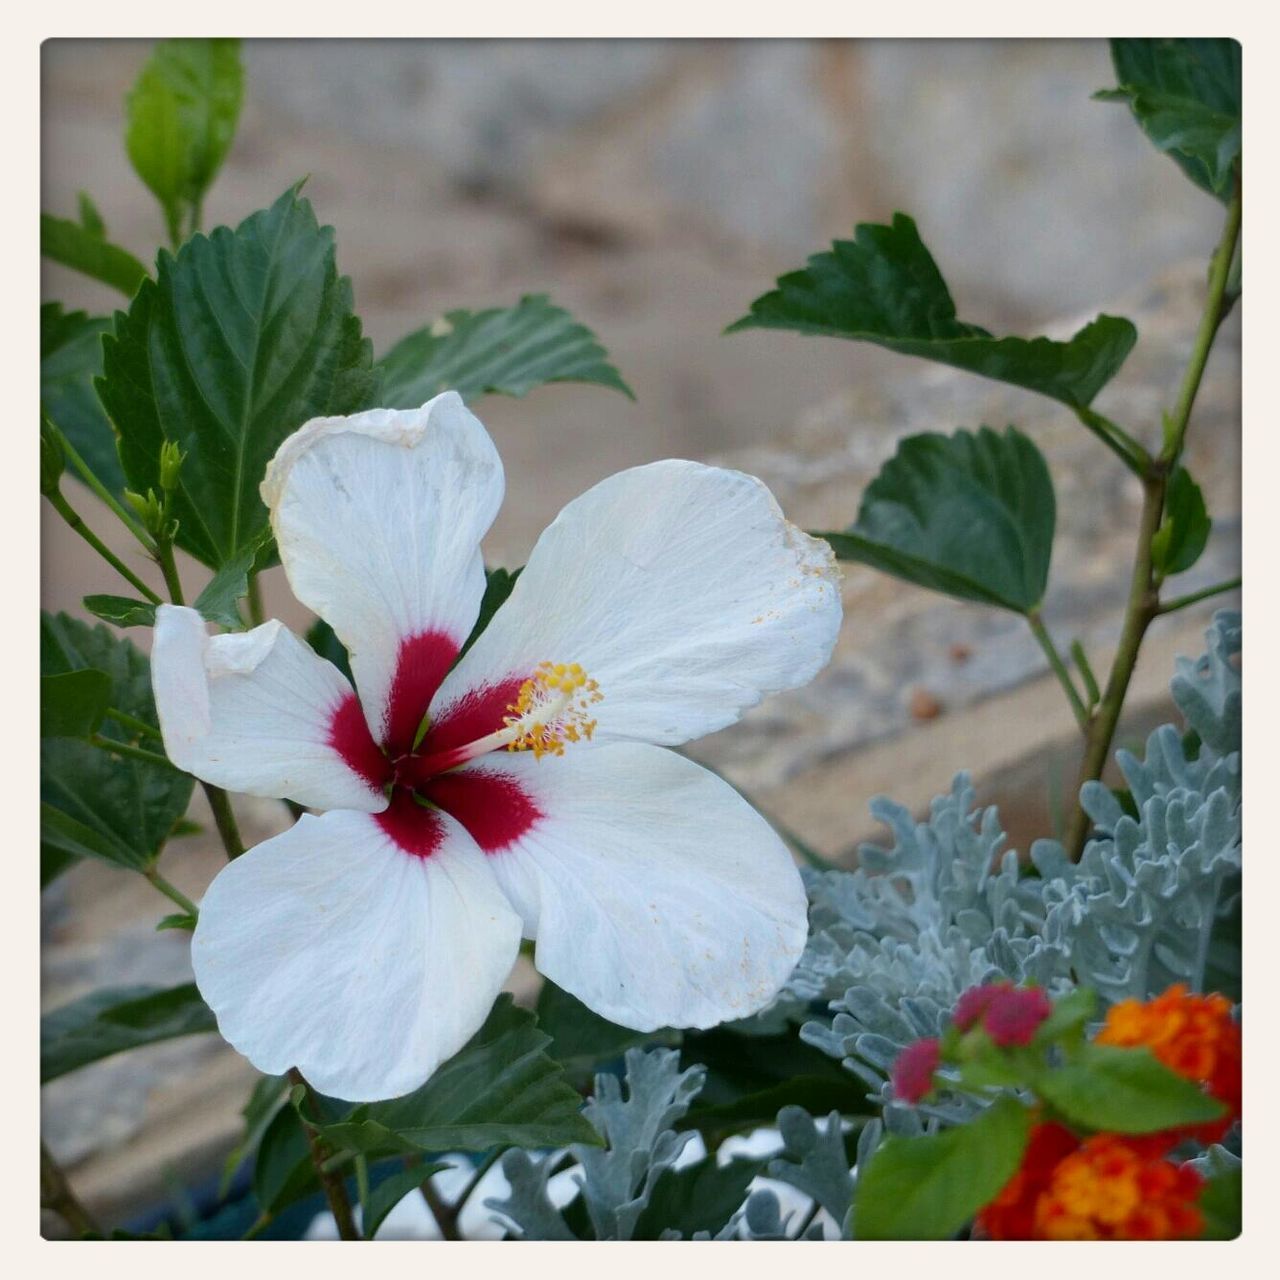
1186	97
1184	531
219	601
971	515
500	1089
505	351
884	287
121	611
243	336
95	804
72	704
389	1192
583	1042
1125	1091
70	359
927	1188
79	248
116	1019
182	114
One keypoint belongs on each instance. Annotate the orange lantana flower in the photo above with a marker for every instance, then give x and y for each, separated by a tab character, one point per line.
1119	1188
1194	1036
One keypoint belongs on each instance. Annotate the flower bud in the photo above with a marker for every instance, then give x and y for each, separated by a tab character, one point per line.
171	460
148	509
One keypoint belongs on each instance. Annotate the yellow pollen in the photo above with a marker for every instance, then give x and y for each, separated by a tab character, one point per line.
552	709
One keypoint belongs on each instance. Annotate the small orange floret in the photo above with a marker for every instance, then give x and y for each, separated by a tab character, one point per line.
1194	1036
1107	1188
1115	1189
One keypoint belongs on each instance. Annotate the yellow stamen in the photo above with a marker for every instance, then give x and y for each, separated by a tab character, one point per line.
551	709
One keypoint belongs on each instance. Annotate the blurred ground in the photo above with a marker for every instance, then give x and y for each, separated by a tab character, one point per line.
655	188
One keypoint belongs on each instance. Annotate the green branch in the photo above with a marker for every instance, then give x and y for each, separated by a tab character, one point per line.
1181	602
1041	633
72	517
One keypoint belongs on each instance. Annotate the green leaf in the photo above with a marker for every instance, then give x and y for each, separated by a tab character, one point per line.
583	1042
1220	1203
266	1098
182	115
927	1188
505	351
1184	531
70	359
884	287
1185	95
1126	1091
497	587
750	1078
697	1197
320	636
72	704
118	809
283	1173
970	515
219	600
243	337
74	246
389	1192
500	1089
90	217
179	920
1070	1015
116	1019
121	611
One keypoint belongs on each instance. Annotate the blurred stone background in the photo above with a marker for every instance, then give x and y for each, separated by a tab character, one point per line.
654	188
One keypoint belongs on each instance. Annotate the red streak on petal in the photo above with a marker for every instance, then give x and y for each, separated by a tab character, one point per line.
418	831
493	807
421	664
349	736
475	715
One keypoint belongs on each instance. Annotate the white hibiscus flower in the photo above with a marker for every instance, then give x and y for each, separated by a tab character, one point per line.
526	790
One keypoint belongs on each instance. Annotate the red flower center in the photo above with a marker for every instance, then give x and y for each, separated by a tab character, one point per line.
422	780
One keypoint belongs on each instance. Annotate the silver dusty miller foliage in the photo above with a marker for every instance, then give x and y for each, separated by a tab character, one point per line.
894	943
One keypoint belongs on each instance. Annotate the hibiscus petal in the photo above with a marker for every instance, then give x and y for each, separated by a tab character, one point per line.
331	949
680	588
379	518
261	712
657	895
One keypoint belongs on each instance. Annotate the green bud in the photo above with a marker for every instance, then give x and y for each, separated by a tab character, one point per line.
171	460
148	509
52	460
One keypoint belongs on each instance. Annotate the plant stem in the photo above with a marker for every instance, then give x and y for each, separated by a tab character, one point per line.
446	1216
256	615
1181	602
1144	599
335	1190
1119	441
65	510
140	727
171	892
105	494
225	820
169	567
1041	633
1210	319
56	1194
1140	610
128	749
